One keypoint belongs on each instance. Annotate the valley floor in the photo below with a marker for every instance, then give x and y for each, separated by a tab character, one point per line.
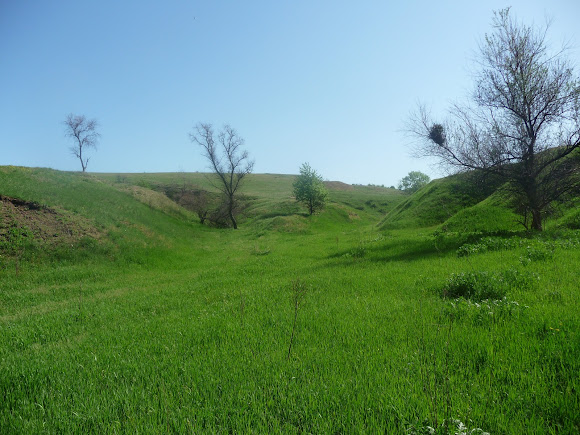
211	339
145	321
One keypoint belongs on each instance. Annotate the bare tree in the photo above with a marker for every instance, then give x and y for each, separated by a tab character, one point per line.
523	122
227	160
194	199
84	133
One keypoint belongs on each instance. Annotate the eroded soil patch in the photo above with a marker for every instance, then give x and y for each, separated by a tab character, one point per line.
40	224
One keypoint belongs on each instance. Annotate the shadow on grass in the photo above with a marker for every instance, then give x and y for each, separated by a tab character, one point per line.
281	213
409	248
399	250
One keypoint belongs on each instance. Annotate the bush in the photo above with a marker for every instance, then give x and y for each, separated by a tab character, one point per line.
474	285
485	312
489	244
478	286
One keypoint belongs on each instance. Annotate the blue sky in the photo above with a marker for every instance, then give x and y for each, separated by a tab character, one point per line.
325	82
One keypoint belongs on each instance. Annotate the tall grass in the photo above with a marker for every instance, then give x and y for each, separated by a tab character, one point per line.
178	328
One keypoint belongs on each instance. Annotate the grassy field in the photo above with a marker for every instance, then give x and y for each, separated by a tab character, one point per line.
120	313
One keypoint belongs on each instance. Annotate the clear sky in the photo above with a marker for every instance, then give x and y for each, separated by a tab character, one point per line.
327	82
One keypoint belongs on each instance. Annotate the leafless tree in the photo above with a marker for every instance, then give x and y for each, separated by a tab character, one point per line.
196	200
227	161
84	134
522	122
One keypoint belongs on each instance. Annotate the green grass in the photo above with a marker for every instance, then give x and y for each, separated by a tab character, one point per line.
175	327
437	202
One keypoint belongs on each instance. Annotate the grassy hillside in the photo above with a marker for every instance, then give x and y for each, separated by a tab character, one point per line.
124	222
453	204
120	313
268	199
431	205
439	201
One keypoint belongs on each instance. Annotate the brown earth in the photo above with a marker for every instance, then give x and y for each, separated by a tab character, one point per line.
46	225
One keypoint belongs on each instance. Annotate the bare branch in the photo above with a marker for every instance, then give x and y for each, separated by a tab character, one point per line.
84	134
524	123
226	160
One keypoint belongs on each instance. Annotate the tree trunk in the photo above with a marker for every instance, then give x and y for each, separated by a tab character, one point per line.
234	223
231	213
81	158
533	198
536	220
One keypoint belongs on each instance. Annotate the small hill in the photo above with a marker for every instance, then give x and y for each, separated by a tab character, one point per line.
437	202
570	218
66	208
489	215
23	221
49	211
467	203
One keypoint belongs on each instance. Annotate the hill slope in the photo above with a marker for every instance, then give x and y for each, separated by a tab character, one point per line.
434	204
148	322
267	196
129	210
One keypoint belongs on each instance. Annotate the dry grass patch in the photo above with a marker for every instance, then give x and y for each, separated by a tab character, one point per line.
157	201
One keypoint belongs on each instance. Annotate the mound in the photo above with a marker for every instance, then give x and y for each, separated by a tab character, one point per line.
483	217
35	222
439	201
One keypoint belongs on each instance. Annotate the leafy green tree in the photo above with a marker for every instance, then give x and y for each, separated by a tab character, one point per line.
309	189
414	181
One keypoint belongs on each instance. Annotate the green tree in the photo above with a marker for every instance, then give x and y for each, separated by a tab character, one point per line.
309	189
413	181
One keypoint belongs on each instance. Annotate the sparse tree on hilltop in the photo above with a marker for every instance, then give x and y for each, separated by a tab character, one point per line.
413	181
84	133
227	160
524	121
309	189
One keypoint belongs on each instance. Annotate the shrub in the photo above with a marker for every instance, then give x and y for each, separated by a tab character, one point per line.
478	286
475	286
487	244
